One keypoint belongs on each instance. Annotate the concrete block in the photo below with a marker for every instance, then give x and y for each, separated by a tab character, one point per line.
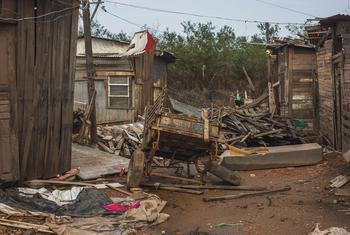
276	157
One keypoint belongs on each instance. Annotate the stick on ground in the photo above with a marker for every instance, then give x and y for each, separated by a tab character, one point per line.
229	197
216	187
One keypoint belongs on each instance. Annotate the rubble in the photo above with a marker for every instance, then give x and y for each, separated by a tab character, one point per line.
339	181
120	139
253	127
66	213
329	231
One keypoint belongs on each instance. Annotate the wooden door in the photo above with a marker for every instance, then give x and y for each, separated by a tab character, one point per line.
9	163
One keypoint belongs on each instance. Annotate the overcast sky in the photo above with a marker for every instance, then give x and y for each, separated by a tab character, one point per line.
238	9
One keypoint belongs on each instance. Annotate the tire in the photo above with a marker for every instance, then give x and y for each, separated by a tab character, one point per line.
136	168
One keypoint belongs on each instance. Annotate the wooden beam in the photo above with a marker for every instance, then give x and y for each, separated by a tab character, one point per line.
23	225
114	73
46	182
248	79
214	187
90	68
119	190
174	177
228	197
172	188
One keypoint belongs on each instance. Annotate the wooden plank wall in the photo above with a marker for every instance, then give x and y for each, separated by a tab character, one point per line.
282	65
324	73
46	49
296	73
302	88
143	81
9	159
343	29
160	74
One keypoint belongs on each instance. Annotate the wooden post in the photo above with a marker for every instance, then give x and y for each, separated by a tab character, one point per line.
90	68
95	10
248	79
269	78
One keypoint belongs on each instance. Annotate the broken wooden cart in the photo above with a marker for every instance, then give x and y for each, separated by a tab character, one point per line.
178	138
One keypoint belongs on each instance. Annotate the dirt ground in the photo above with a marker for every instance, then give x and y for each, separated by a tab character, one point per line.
293	212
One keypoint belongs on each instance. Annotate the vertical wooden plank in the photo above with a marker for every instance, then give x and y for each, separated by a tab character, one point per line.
324	73
36	162
68	88
27	79
290	80
9	158
56	96
72	65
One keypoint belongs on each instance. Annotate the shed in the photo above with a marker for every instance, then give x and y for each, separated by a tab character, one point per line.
125	82
294	67
332	39
37	47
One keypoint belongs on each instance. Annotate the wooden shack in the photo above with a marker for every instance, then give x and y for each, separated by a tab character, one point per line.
332	39
37	47
124	84
294	68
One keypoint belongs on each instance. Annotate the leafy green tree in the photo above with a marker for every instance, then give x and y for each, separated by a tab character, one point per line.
98	30
296	31
212	59
268	31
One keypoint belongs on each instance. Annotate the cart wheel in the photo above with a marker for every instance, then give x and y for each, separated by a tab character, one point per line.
136	168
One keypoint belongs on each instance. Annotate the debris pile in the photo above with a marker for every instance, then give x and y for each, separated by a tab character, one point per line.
253	127
78	119
120	139
82	123
79	210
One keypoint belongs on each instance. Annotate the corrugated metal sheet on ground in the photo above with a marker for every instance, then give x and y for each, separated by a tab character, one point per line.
94	163
185	108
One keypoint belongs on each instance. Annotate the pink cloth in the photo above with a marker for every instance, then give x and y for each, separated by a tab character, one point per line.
122	206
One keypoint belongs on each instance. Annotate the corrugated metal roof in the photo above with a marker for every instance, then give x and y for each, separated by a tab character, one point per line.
295	43
103	47
110	48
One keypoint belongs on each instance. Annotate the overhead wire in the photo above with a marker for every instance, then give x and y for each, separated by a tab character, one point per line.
51	20
39	16
199	15
121	18
286	8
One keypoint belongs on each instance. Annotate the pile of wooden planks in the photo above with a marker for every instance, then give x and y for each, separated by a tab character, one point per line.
120	139
253	127
83	116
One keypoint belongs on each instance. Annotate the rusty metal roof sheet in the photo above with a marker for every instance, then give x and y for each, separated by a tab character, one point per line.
332	19
289	42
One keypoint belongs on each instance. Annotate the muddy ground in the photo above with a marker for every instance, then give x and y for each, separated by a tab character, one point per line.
293	212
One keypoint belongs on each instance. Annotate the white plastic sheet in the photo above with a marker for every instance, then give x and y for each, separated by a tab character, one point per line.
60	197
